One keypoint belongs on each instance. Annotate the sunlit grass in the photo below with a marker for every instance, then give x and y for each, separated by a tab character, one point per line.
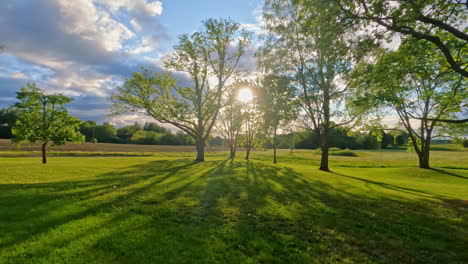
375	208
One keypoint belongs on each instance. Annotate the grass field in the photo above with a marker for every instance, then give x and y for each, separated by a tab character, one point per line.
164	208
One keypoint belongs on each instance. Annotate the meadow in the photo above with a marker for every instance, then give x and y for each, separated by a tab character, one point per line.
162	207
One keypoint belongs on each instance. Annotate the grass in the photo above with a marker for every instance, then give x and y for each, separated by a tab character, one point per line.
6	145
375	208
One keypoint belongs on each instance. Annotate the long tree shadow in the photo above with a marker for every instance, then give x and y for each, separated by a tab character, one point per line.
449	173
78	199
228	211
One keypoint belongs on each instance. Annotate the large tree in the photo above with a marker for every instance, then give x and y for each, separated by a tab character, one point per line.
43	118
308	41
443	23
210	58
415	83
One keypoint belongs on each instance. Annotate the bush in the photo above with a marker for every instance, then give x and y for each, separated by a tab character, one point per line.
334	149
146	138
344	153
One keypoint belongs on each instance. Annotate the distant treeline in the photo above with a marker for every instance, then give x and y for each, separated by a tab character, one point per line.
154	134
338	137
147	134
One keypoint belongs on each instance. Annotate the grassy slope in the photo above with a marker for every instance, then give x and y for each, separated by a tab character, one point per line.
166	209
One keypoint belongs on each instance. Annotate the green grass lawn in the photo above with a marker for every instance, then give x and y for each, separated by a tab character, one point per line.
374	208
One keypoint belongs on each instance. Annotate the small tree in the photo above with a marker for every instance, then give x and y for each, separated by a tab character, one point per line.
253	125
277	102
230	119
43	118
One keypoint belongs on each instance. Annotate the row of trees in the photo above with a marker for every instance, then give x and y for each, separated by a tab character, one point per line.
321	66
148	134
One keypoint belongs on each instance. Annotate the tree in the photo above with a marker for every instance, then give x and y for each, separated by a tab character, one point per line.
230	119
105	133
412	81
277	101
8	117
253	125
43	118
212	53
150	126
125	133
309	42
440	22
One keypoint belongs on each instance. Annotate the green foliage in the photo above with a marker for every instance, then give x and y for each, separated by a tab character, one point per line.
414	82
202	55
344	153
231	118
150	126
438	22
125	133
147	138
8	117
43	118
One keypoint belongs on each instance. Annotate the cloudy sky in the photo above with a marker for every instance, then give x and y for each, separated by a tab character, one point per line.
85	48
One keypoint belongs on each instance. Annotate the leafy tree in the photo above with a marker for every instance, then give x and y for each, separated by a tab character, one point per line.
150	126
217	141
8	117
277	102
125	133
309	42
231	118
414	83
147	138
105	133
212	53
87	128
439	22
253	123
43	118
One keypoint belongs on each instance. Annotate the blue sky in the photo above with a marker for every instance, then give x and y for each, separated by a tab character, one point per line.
85	48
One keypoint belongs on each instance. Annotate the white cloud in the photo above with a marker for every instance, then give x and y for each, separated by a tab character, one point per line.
150	8
136	26
85	20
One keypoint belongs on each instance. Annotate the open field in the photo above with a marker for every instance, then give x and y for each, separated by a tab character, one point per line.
374	208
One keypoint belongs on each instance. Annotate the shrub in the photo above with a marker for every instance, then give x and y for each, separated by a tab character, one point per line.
344	153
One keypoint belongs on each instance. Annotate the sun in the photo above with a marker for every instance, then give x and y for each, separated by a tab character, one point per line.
245	95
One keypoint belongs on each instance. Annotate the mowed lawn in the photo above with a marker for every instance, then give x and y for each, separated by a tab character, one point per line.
375	208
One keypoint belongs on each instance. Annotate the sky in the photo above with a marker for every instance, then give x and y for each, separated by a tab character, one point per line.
86	48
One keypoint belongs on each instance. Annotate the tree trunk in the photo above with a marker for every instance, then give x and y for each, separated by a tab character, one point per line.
247	155
274	146
44	157
324	148
233	152
200	146
424	156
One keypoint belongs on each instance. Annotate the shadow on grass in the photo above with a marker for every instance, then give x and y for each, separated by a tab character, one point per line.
225	212
449	173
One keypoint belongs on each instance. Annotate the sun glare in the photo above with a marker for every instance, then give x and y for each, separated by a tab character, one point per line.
245	95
